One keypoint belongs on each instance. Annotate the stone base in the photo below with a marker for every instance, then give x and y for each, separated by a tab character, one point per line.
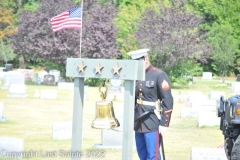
4	87
3	119
207	154
17	96
102	147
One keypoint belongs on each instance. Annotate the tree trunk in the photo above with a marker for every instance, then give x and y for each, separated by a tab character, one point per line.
223	80
21	62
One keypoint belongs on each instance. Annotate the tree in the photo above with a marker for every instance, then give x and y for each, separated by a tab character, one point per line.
6	53
100	32
173	37
35	39
130	11
217	13
7	20
225	47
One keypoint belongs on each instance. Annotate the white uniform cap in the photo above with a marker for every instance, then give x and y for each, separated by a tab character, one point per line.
138	53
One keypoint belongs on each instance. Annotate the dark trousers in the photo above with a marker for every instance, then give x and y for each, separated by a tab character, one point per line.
148	145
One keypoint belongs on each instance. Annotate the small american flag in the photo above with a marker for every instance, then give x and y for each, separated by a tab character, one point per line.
68	19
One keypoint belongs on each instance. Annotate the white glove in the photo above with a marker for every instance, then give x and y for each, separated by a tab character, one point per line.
162	129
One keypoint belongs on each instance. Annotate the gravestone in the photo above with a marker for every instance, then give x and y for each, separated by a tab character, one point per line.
2	75
198	103
11	147
13	77
2	119
189	112
56	74
205	106
208	154
216	94
207	75
235	88
28	74
62	130
116	91
48	94
49	80
238	78
193	98
41	75
8	67
208	118
17	91
2	68
65	85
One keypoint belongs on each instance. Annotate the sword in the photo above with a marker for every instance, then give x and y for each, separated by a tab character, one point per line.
143	115
163	154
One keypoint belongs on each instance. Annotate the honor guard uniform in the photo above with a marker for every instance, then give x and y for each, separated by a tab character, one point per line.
153	108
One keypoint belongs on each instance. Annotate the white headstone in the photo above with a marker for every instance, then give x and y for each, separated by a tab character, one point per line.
13	77
1	69
11	147
2	118
116	91
48	94
17	90
116	85
116	95
207	75
195	95
41	75
66	85
217	94
235	88
208	154
28	74
56	74
208	118
1	109
193	99
189	112
2	75
62	130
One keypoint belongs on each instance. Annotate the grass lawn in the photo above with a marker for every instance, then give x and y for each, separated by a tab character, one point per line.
31	119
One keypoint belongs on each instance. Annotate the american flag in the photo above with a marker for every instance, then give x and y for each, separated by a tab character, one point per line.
68	19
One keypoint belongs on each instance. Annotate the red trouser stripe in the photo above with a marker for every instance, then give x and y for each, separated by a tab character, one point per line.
157	147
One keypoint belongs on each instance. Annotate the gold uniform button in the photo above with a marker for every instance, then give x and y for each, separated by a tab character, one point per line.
140	89
166	120
141	94
140	84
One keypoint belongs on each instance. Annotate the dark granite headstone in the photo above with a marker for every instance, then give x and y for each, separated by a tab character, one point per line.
238	78
49	80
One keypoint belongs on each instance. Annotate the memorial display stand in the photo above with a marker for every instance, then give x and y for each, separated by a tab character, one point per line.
128	70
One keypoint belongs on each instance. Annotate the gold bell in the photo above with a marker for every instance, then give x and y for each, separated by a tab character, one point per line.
104	115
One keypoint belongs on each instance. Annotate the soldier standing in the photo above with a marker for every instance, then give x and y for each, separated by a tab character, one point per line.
153	108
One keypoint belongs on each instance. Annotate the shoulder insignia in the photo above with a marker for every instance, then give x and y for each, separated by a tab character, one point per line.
165	85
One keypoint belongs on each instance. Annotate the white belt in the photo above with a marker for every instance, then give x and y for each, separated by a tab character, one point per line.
146	102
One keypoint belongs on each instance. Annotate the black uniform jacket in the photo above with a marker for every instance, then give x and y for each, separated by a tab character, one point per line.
156	86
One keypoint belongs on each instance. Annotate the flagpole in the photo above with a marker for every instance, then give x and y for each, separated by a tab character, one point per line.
81	29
